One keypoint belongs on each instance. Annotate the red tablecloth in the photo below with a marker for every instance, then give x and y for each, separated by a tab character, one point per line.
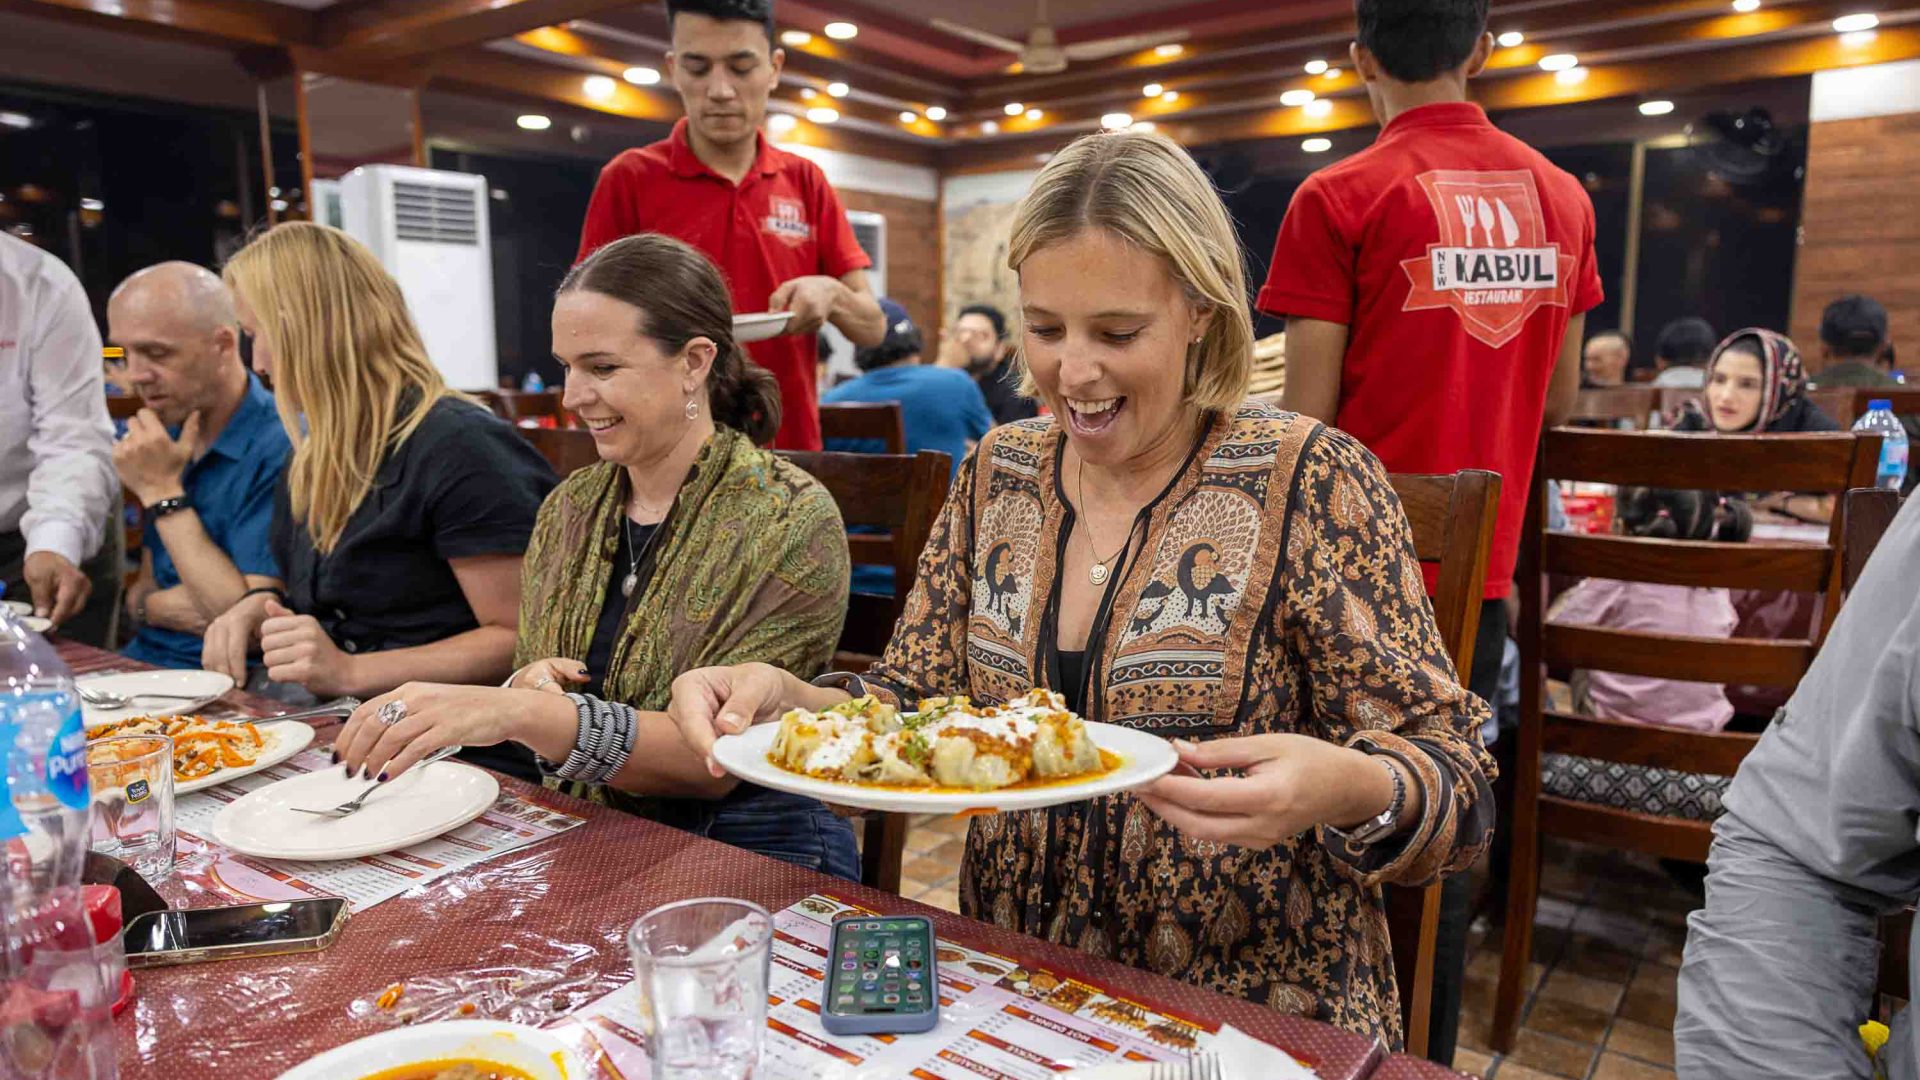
1402	1067
545	926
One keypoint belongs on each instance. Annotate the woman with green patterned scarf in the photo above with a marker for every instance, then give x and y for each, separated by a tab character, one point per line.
687	546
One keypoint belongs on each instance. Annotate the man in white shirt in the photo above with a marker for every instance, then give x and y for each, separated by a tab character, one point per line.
59	498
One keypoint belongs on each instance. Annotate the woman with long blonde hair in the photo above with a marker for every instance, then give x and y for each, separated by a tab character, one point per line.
1328	744
406	505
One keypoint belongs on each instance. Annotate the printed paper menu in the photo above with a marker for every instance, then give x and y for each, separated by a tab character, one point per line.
997	1019
203	865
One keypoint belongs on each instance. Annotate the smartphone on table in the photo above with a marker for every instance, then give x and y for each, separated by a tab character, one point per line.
881	977
194	935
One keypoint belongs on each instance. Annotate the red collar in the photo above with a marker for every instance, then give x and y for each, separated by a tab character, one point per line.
1439	114
685	163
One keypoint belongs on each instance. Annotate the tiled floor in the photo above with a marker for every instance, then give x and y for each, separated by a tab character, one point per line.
1606	946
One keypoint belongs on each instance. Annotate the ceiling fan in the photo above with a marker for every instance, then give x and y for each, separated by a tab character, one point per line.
1042	53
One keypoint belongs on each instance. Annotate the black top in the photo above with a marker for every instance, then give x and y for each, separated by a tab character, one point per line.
1000	385
1073	678
631	545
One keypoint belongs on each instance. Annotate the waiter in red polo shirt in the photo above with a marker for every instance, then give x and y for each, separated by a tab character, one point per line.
767	218
1435	287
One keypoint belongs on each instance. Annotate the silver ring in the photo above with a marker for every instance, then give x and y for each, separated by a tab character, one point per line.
392	712
540	682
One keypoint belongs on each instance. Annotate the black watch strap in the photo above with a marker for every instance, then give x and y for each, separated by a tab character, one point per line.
168	506
842	680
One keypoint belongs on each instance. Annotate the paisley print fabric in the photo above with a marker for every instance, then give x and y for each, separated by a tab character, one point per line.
1275	591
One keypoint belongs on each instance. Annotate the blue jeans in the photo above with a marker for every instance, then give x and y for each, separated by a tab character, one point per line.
791	828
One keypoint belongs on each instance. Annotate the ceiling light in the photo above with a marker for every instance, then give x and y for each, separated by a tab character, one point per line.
1152	89
92	204
1857	38
841	31
808	93
641	76
1744	6
1331	73
1511	39
935	112
1572	76
534	122
1853	24
820	114
1559	61
1013	108
1296	98
1170	96
1318	110
839	89
795	38
1170	49
780	123
1114	121
908	116
1316	67
1141	125
20	121
1034	114
990	127
1317	145
1659	107
599	87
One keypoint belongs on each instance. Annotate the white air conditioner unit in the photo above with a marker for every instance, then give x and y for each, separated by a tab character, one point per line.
429	229
870	230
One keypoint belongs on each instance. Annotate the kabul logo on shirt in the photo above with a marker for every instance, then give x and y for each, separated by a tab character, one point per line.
787	219
1494	265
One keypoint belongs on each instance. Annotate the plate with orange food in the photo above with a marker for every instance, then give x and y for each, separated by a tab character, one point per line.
947	756
449	1050
210	752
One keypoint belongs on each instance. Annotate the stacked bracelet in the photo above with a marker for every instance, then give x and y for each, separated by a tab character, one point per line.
601	744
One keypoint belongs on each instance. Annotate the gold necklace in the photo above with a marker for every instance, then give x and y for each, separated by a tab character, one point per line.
1099	571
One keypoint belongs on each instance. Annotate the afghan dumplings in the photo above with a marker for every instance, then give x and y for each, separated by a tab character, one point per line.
948	743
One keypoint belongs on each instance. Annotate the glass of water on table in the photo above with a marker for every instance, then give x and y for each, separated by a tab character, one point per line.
701	969
132	781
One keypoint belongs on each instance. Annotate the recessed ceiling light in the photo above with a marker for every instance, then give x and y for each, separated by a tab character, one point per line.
1744	6
1319	109
1296	98
1853	24
1857	38
935	112
908	116
808	93
795	38
20	121
1316	145
1170	96
1331	73
1316	67
990	127
842	31
641	76
1013	108
838	89
1114	121
1169	50
1572	76
1510	39
1034	114
1142	125
820	114
92	204
1659	107
780	123
599	87
534	122
1559	61
1152	89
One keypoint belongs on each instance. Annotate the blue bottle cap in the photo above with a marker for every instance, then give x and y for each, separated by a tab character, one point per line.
1881	403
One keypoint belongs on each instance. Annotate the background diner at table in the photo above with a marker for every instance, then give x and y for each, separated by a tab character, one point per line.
494	561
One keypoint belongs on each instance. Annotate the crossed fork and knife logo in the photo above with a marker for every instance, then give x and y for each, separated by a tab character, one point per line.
1474	210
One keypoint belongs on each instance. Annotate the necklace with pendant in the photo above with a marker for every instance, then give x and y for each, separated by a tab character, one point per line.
634	552
1101	568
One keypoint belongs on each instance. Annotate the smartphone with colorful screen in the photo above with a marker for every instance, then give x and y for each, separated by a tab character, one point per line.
881	977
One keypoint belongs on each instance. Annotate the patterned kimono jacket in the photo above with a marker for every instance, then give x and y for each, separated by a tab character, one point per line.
1276	591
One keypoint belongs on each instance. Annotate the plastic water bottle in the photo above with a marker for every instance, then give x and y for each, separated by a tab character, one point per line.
55	1000
1880	420
533	383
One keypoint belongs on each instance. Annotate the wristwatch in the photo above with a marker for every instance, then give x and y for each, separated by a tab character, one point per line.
842	680
1387	821
163	507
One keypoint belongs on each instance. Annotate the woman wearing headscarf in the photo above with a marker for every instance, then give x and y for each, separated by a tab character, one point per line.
1757	385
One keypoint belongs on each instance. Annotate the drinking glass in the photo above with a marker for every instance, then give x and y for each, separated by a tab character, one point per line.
701	969
132	780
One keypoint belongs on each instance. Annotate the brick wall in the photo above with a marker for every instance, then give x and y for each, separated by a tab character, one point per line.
913	254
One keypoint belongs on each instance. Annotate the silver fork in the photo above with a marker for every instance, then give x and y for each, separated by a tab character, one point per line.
107	699
358	802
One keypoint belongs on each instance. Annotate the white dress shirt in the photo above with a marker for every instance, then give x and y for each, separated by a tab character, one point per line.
57	482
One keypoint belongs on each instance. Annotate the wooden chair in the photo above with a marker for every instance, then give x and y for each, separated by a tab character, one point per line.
566	449
902	494
865	420
1610	404
518	406
1825	463
1904	399
133	515
1452	518
1838	402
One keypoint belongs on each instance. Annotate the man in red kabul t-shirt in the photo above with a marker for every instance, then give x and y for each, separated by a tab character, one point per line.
1435	287
767	218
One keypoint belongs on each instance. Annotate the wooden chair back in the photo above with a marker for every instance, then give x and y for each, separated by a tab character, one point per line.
902	494
1868	513
1905	401
515	406
1452	520
1606	405
1837	402
865	420
132	514
566	449
1815	463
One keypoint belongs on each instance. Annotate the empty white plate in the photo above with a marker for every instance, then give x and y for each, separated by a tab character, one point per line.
529	1050
415	806
195	689
761	326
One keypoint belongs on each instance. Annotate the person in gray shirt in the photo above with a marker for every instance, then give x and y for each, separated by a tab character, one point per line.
1817	842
